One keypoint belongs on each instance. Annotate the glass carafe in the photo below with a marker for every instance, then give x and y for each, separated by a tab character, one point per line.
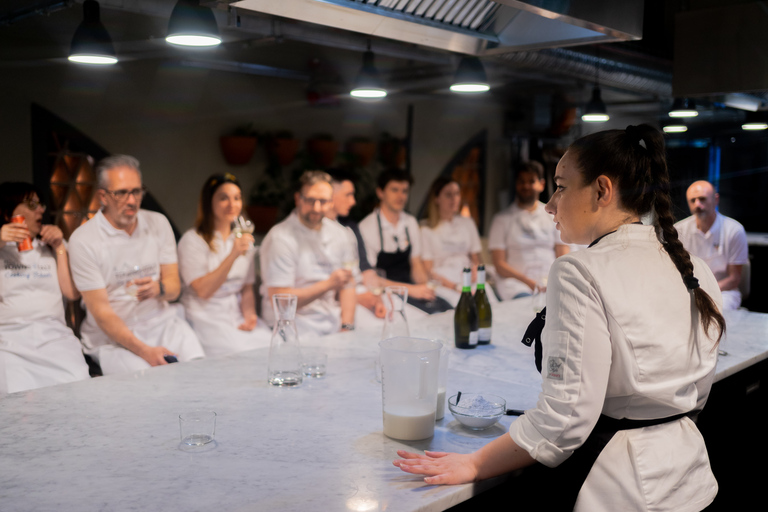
395	324
284	351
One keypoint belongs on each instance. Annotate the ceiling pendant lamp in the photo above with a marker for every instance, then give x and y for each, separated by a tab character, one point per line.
683	107
596	111
191	24
755	121
368	84
91	43
675	128
470	76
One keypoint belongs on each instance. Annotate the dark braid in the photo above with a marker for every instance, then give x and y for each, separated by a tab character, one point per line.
635	160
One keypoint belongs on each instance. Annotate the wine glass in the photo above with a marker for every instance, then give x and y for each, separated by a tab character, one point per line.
242	225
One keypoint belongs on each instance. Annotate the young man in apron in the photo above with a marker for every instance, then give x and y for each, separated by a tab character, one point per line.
393	243
715	238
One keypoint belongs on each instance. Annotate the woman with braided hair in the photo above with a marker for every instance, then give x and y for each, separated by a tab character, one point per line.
628	350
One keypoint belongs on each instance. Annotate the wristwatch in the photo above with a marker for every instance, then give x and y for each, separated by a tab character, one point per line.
347	327
162	288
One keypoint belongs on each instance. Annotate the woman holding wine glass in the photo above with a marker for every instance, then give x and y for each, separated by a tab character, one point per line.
217	267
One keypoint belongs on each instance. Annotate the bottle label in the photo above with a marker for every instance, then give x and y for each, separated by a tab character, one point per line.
480	277
484	334
473	338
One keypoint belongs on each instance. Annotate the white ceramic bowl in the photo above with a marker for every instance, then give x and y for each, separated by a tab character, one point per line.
477	411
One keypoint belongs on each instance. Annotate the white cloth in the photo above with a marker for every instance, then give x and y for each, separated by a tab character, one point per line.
216	319
395	236
295	256
36	347
724	244
104	257
620	339
449	245
529	239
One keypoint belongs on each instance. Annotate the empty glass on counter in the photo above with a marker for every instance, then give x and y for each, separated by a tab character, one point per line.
284	350
197	428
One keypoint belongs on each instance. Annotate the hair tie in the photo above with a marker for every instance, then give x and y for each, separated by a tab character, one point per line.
635	137
691	282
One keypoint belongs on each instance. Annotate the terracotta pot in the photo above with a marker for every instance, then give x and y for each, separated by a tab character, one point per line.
362	151
263	217
283	151
322	151
237	149
392	153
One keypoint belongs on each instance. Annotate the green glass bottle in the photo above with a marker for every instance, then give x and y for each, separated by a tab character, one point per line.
483	306
465	316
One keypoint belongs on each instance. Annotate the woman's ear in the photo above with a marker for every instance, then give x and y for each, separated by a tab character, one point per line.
604	189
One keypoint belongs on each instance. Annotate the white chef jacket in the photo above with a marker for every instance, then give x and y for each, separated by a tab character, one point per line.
102	256
724	244
36	347
215	320
395	236
529	239
449	245
295	256
620	340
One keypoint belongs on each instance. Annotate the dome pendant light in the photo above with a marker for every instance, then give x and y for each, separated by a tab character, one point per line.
755	121
683	107
368	84
191	24
675	128
470	76
596	111
91	43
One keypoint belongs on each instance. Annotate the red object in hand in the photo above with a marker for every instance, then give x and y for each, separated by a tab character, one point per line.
24	245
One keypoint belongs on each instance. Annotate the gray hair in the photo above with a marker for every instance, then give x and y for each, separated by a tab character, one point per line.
310	178
111	162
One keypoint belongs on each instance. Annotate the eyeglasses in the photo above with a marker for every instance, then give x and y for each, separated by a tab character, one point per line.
34	205
122	194
310	201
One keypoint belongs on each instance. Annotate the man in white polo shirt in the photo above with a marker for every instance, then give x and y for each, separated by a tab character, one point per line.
719	240
523	240
305	255
124	262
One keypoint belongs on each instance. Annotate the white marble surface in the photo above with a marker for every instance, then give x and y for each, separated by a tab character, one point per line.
112	443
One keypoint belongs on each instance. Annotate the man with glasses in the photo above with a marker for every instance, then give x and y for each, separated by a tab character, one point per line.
305	255
124	263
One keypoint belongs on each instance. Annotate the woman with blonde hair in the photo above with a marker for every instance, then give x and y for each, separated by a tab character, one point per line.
217	267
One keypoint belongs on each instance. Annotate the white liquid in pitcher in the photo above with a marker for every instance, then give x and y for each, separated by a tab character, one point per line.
440	404
409	423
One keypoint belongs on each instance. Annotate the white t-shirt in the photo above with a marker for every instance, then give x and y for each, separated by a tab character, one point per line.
449	245
620	340
395	236
295	256
104	257
529	239
724	244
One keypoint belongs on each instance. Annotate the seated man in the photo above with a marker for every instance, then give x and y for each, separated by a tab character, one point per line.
715	238
343	201
304	255
393	241
124	263
523	239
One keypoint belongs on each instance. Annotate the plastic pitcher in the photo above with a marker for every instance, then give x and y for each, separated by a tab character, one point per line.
409	375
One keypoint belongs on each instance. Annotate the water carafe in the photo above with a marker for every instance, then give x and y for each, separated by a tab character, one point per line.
284	351
409	377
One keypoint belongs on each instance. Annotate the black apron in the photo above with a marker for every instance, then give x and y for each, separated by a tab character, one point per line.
397	265
567	479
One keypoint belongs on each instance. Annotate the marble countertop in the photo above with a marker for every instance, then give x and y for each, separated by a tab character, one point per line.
112	443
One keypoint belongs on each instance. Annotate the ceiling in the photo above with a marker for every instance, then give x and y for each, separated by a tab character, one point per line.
529	48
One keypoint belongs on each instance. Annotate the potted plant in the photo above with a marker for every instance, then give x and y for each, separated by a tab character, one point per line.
361	151
281	148
239	146
322	150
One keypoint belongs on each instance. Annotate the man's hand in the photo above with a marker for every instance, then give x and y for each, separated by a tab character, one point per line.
421	291
146	288
155	356
249	324
339	278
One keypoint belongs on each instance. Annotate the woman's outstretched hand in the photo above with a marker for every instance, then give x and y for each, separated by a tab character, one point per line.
439	467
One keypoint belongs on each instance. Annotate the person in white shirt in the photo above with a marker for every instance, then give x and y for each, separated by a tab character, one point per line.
523	240
628	347
304	255
719	240
36	347
393	241
450	242
124	263
217	267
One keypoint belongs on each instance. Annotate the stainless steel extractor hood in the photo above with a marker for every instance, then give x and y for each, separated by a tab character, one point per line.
478	27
